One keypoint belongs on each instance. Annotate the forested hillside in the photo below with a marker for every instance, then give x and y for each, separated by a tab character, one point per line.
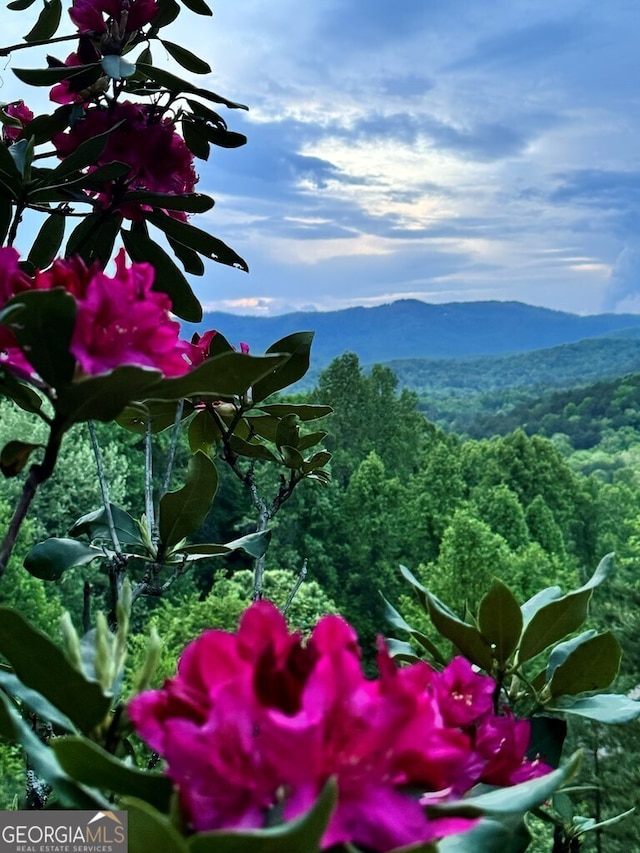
458	512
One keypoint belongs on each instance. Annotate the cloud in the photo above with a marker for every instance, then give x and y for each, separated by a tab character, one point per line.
623	290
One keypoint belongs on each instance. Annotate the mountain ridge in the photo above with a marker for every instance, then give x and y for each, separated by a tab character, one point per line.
411	328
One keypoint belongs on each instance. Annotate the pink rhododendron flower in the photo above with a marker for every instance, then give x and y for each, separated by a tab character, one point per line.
202	346
20	112
92	16
157	156
120	319
263	718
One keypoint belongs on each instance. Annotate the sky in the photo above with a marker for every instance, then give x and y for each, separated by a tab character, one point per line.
442	150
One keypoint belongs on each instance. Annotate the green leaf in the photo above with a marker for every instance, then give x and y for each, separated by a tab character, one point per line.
43	323
183	511
203	432
47	23
197	6
490	836
185	58
168	11
500	621
8	166
318	460
297	347
175	84
548	735
84	234
226	375
201	241
22	154
302	835
86	154
6	215
253	544
41	665
419	589
88	763
159	414
168	278
562	651
394	618
14	457
310	440
250	449
561	617
19	5
117	67
188	202
539	600
401	650
50	76
287	431
12	685
50	559
514	799
301	410
43	127
196	138
95	526
610	708
467	639
591	666
224	138
21	393
592	824
149	831
43	761
190	260
48	241
104	397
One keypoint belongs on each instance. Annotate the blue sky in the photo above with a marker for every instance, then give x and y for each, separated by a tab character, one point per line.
445	151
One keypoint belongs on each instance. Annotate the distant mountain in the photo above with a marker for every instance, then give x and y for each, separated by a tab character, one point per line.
410	329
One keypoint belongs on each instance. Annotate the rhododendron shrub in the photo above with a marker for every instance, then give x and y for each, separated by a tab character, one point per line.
263	719
120	319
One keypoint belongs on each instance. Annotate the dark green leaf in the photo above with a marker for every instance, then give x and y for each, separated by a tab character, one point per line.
185	58
183	511
160	415
50	76
14	457
201	241
21	393
196	139
263	426
175	84
103	398
43	127
302	410
318	460
22	155
547	739
8	166
500	621
311	439
188	202
302	835
253	544
41	665
591	666
168	278
287	431
101	246
292	457
86	154
19	5
47	23
224	138
47	244
611	708
401	650
43	324
43	761
561	652
150	831
298	347
168	11
50	559
253	450
117	67
12	685
394	618
95	526
6	215
225	375
540	599
203	432
190	260
467	639
197	6
84	234
489	836
88	763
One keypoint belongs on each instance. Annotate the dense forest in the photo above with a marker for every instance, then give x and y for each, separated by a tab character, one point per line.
530	509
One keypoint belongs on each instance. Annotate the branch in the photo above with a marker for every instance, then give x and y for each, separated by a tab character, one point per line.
171	453
38	474
5	51
148	484
104	489
299	581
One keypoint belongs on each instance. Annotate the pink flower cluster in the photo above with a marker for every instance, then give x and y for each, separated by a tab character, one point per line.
120	319
157	156
23	114
262	719
95	16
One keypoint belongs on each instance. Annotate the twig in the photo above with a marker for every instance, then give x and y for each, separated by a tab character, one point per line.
5	51
148	483
104	489
171	453
299	581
